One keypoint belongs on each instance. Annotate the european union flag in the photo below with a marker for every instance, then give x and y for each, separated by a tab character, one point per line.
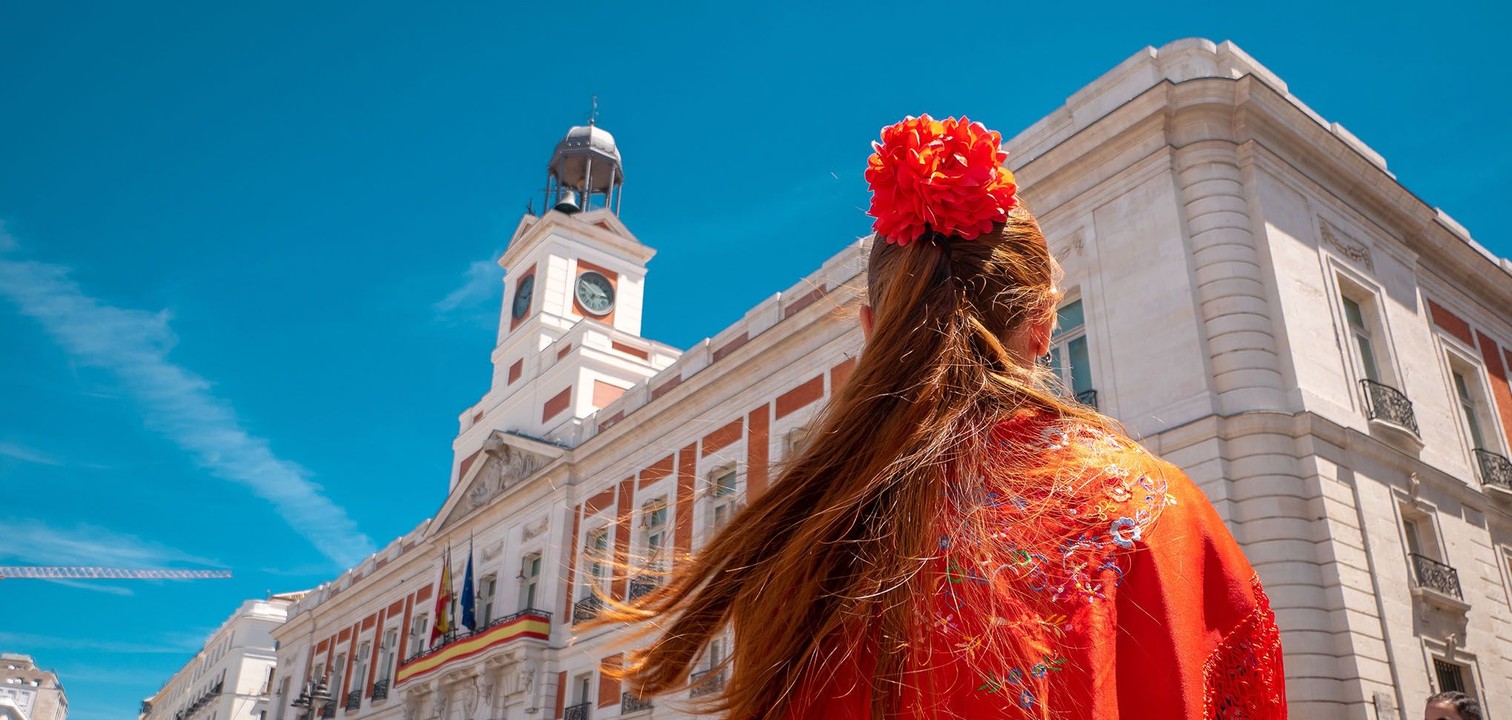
469	619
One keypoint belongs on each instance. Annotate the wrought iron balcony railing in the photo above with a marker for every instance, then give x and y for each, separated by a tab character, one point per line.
354	700
630	702
1494	469
1384	402
463	633
507	619
380	689
706	682
587	609
329	711
580	711
640	585
1436	576
1088	398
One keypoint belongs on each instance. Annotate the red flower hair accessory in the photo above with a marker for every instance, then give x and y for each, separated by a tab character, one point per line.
943	176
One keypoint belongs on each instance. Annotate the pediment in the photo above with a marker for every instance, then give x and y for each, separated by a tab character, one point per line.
599	228
505	461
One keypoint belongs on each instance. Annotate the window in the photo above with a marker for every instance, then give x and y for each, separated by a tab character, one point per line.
793	442
418	627
337	682
723	491
283	699
584	688
1480	430
359	675
1412	530
1428	566
1068	357
654	529
1364	346
530	580
1468	410
319	673
486	591
597	555
386	653
1451	676
716	652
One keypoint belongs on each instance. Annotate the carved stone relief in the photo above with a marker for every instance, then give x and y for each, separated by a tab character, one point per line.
1346	246
468	694
535	529
504	466
413	701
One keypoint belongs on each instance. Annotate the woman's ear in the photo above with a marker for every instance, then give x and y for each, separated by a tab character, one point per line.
866	322
1039	336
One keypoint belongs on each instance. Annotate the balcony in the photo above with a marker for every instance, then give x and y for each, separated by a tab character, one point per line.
580	711
329	711
1436	582
639	586
704	683
1088	398
587	609
380	690
1387	404
632	703
528	623
354	700
1495	471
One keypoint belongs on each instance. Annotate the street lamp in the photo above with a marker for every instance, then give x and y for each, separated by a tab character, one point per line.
312	699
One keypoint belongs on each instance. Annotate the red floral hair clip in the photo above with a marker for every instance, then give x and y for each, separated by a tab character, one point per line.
943	176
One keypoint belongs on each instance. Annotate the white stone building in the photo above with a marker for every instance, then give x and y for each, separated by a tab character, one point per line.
1249	290
28	692
227	678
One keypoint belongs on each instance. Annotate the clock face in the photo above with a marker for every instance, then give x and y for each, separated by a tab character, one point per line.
522	297
595	293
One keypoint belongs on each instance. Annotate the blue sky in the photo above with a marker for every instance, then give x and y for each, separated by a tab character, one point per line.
246	279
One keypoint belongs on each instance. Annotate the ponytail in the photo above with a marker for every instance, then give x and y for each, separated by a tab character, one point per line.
841	540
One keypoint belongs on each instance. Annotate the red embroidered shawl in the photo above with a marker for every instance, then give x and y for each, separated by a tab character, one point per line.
1128	598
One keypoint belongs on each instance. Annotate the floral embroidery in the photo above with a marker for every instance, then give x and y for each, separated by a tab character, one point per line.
1064	537
1125	532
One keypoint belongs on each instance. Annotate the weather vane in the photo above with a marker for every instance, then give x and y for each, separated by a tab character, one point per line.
593	115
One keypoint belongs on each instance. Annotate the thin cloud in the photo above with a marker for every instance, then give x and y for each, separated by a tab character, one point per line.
480	282
29	542
17	451
94	586
171	644
134	346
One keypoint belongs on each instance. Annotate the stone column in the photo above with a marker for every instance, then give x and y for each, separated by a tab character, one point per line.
1231	278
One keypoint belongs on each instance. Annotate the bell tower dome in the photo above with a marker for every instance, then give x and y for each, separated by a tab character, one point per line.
569	338
585	165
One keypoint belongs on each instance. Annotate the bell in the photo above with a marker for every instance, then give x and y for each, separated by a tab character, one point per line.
567	203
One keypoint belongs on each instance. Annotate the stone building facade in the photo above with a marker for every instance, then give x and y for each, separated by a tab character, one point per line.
231	674
1248	289
28	692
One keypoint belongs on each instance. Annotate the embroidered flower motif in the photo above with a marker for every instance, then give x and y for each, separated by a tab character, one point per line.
1026	699
1125	531
945	176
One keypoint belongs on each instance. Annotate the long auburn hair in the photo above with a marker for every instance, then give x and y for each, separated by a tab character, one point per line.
843	536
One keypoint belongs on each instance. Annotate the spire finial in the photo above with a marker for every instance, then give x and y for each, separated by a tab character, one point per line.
593	115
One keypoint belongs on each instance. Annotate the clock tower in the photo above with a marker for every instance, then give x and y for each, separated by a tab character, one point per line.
569	335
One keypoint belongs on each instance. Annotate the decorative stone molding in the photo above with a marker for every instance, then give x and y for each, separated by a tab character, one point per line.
535	529
1354	251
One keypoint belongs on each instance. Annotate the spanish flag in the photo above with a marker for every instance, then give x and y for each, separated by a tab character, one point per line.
443	624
